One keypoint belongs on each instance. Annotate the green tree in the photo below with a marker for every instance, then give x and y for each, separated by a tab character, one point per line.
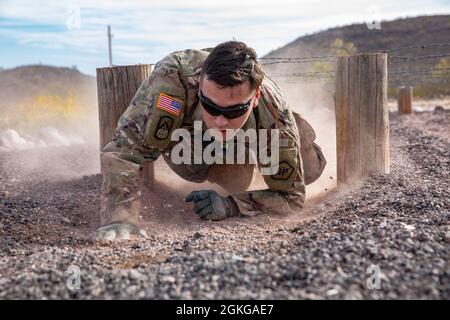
444	74
338	48
341	48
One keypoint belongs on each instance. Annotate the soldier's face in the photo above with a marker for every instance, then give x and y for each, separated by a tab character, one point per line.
225	97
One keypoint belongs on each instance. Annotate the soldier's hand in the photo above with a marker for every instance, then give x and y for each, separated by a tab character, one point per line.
209	205
118	231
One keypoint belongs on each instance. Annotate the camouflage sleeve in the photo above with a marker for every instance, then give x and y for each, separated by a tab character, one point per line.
134	141
286	193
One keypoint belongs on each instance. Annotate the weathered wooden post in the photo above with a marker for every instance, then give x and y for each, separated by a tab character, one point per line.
404	100
362	123
116	87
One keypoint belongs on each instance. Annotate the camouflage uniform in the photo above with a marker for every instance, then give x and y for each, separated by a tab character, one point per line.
143	132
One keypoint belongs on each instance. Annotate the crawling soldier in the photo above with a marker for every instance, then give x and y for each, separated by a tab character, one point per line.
225	88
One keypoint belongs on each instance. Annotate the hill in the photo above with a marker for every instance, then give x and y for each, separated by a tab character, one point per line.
29	81
35	96
393	34
420	33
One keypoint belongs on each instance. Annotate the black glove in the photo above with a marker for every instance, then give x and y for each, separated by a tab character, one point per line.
211	206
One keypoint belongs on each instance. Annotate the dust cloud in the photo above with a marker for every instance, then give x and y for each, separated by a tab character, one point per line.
314	101
50	147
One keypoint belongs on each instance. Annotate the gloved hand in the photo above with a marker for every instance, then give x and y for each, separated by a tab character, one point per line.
118	231
209	205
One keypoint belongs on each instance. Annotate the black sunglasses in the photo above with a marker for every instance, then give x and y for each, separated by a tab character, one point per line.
230	112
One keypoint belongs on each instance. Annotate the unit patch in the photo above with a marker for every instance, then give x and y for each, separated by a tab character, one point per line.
163	128
284	171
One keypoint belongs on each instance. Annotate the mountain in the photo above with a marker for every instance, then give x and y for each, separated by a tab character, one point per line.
414	63
36	96
392	34
20	84
24	82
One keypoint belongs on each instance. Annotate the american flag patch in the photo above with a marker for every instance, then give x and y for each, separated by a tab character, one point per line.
169	104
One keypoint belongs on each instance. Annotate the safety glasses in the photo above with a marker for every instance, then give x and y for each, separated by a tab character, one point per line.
231	112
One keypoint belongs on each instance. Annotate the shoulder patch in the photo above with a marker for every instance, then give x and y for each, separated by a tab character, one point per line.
169	104
165	117
163	128
284	171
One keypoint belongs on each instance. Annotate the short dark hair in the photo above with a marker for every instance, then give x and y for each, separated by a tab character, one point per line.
232	63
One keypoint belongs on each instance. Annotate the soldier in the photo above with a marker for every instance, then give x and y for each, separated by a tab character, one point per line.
225	88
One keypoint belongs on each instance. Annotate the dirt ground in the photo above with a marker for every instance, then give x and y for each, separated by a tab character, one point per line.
397	224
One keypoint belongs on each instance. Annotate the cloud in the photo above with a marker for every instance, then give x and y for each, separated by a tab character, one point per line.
150	29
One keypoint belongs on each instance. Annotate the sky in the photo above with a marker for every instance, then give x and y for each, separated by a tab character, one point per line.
74	33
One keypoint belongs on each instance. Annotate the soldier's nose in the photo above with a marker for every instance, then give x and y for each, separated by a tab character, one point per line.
221	121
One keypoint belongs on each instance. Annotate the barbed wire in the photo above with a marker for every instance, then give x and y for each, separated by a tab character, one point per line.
310	81
396	77
392	81
422	80
304	74
300	60
419	77
435	74
283	60
391	59
330	74
332	57
418	70
407	75
410	58
419	57
418	83
422	46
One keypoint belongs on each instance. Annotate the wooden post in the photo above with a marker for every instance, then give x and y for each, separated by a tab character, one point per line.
404	100
116	87
362	123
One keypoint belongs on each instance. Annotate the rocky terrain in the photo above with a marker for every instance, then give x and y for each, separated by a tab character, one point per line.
395	226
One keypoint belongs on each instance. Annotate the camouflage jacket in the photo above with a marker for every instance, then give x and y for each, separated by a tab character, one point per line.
177	75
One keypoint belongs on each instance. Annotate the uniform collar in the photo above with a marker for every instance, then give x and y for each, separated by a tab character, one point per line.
265	118
197	115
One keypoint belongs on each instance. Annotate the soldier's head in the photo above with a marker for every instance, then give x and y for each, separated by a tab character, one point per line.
229	86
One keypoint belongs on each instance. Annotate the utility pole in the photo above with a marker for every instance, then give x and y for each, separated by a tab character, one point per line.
109	45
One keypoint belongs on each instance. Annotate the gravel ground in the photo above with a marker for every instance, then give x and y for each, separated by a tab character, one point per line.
397	224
